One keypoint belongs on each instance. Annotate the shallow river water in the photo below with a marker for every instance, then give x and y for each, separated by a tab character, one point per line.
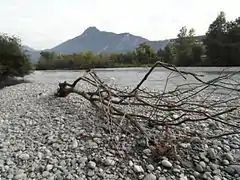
131	76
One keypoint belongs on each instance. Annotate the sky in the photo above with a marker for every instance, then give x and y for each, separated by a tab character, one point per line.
43	24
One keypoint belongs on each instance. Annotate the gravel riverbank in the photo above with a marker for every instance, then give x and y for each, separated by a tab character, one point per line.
42	137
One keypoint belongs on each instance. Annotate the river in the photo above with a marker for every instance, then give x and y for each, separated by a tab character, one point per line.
131	76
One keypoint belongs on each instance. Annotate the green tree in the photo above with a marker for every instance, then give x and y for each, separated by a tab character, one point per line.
47	60
169	54
13	60
215	39
183	51
188	51
223	42
145	54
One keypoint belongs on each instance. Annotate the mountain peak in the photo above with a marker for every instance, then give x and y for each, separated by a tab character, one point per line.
91	29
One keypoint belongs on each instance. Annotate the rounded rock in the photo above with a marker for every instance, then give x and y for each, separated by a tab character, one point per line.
166	163
216	178
24	156
91	164
211	154
229	157
109	162
150	177
138	169
150	167
199	168
225	162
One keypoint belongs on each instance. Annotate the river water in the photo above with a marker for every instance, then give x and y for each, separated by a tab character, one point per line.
131	76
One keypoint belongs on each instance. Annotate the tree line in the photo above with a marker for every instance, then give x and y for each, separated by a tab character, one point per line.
220	46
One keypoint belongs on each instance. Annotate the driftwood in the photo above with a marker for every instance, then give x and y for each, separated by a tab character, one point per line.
145	109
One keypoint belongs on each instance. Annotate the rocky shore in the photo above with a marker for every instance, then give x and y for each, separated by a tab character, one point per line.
47	138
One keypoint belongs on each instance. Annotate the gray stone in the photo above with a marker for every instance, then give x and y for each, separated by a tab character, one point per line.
49	167
150	167
162	178
91	164
196	174
24	156
138	169
212	154
226	148
130	163
207	175
217	142
20	176
216	178
199	168
187	164
166	163
90	173
217	172
236	168
150	177
229	170
109	162
74	143
147	151
203	164
225	162
213	166
183	177
185	145
176	170
229	157
45	173
195	140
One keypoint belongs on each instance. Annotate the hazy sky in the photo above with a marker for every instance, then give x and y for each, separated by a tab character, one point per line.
46	23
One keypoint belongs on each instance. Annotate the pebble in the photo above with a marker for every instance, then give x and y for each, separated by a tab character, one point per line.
109	162
166	163
91	164
162	178
147	151
24	156
21	176
216	178
199	168
195	140
138	169
49	167
211	154
150	167
176	170
91	173
130	163
225	162
74	143
203	164
150	177
207	175
229	157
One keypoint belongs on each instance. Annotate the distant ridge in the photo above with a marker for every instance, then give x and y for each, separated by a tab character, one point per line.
92	39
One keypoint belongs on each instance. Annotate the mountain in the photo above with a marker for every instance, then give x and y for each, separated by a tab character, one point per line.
92	39
98	41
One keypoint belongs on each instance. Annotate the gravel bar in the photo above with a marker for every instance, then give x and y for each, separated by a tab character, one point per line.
47	138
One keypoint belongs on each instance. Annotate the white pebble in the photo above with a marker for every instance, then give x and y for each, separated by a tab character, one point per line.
166	163
138	169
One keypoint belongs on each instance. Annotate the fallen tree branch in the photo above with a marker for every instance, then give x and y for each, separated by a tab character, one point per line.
192	102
